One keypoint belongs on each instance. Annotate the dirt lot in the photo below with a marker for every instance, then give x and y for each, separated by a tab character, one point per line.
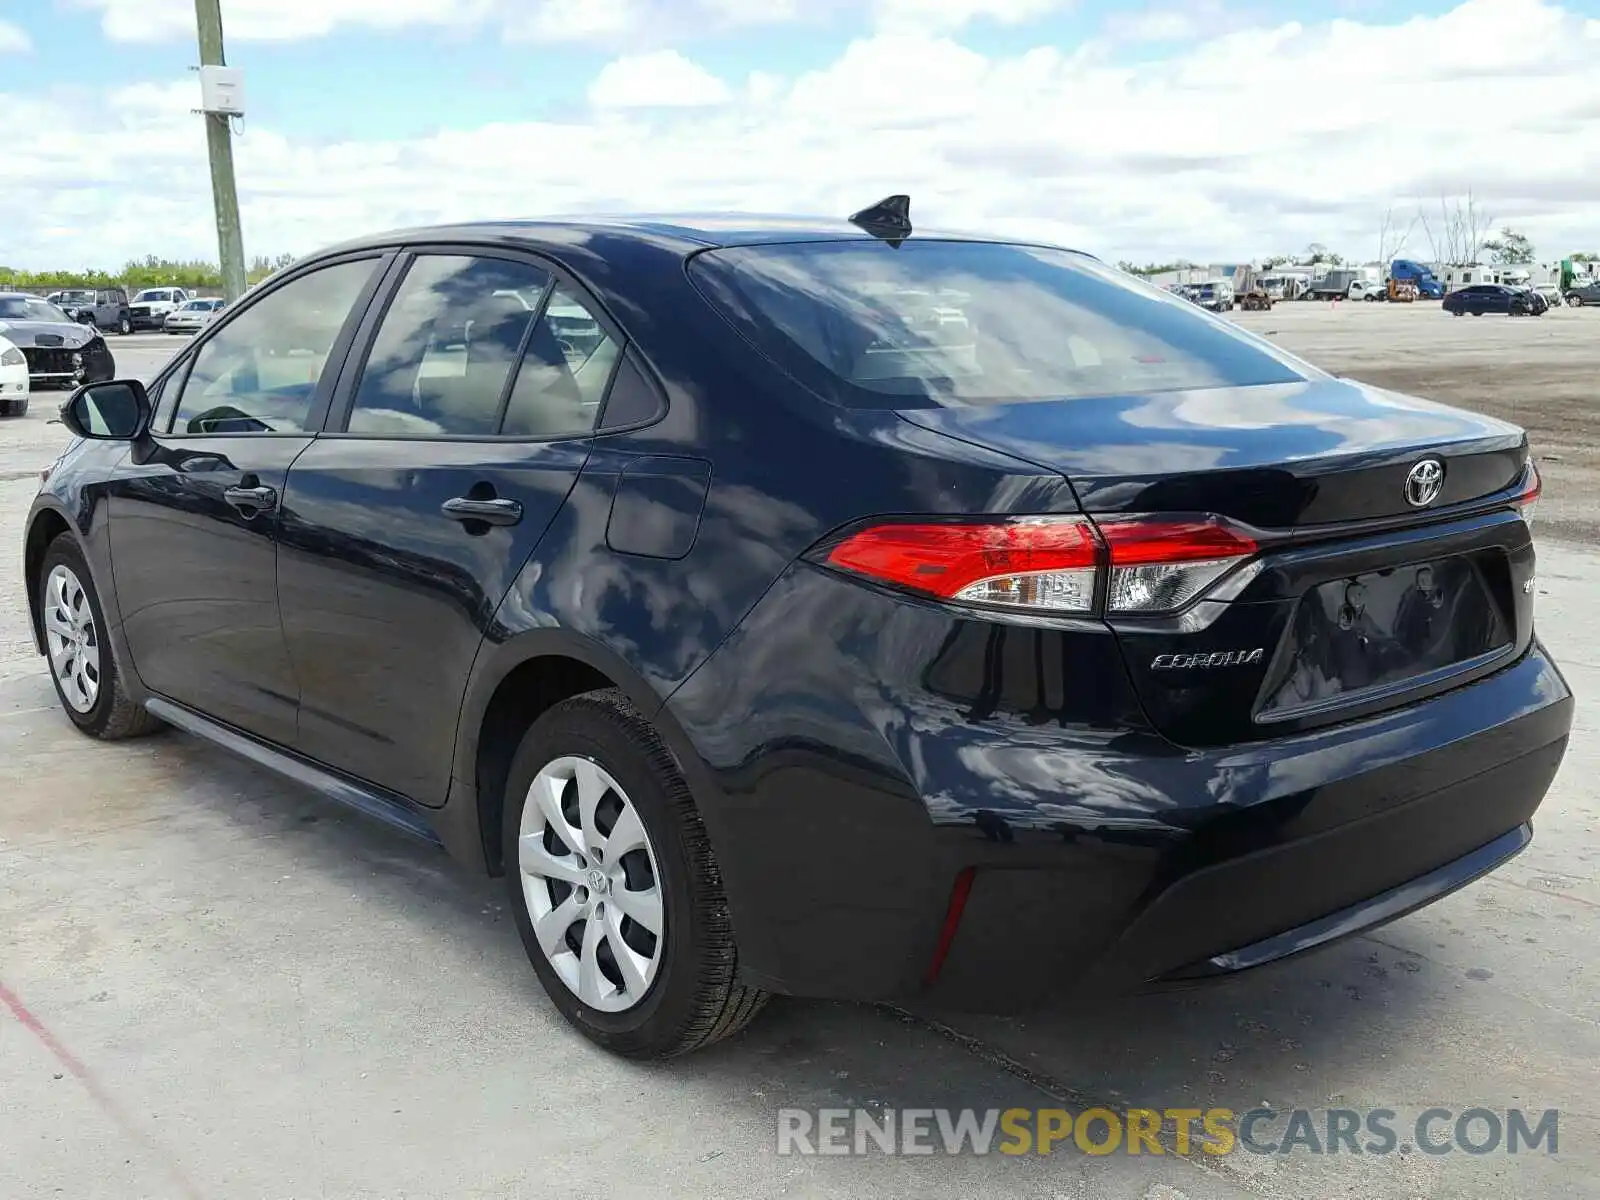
1542	372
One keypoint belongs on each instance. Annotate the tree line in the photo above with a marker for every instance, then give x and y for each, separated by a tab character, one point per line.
194	274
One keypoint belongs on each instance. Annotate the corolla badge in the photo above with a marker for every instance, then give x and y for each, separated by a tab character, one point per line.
1424	482
1210	658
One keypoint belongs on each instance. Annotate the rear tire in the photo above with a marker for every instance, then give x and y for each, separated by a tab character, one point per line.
83	667
596	759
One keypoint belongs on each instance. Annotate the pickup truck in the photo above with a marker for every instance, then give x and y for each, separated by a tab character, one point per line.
151	306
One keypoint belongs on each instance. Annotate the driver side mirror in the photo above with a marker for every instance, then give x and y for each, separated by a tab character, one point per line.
118	411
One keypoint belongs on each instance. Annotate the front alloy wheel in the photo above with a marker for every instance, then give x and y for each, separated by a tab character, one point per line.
83	661
72	639
591	883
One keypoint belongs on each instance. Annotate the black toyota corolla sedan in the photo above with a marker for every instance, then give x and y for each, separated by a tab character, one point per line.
61	352
818	607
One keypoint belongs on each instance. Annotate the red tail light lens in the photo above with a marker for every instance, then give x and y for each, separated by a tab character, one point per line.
1046	563
1159	564
1528	499
1143	566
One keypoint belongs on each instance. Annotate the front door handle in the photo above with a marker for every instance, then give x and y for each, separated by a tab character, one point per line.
259	498
490	512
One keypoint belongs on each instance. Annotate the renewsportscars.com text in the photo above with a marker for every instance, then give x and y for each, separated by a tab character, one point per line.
1181	1131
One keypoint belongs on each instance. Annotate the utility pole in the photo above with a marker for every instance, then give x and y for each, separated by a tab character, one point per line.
219	142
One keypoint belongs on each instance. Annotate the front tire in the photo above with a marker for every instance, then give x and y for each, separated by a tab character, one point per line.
83	668
602	840
124	326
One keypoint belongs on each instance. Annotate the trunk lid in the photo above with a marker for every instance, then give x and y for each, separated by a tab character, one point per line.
1277	456
1357	600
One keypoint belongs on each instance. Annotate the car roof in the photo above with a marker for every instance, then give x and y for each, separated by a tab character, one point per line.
686	232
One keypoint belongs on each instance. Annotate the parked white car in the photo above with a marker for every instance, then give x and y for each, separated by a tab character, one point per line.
13	380
193	316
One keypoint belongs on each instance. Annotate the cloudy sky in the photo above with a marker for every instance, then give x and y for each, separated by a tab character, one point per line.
1210	129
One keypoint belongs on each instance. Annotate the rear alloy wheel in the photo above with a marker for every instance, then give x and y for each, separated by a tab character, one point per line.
82	665
593	888
614	887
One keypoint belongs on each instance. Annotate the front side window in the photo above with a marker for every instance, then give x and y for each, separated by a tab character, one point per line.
866	324
259	372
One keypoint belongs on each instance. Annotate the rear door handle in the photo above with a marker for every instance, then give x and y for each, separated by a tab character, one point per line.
490	512
262	498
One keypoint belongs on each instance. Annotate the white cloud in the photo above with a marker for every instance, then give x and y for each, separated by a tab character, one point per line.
1180	22
14	39
665	79
1218	151
939	16
281	20
634	23
619	23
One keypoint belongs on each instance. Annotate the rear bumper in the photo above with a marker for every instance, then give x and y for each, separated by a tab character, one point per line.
849	785
1263	905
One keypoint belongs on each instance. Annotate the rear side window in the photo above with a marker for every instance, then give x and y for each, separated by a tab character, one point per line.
867	324
447	347
569	361
483	347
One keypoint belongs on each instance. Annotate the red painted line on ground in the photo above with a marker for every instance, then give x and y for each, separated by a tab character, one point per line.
84	1076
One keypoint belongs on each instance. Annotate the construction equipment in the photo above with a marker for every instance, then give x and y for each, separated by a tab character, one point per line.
1402	291
1255	300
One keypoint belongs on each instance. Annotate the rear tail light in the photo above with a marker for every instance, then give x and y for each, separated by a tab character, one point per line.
1048	563
1528	499
1062	565
1160	564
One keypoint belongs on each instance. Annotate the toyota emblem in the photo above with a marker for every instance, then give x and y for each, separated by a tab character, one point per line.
1424	482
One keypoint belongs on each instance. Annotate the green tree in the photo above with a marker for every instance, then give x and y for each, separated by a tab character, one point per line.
1154	268
1510	248
151	271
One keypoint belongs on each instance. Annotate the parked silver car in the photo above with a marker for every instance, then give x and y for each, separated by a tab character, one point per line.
193	315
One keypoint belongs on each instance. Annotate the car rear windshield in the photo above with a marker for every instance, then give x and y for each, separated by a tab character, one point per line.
868	324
